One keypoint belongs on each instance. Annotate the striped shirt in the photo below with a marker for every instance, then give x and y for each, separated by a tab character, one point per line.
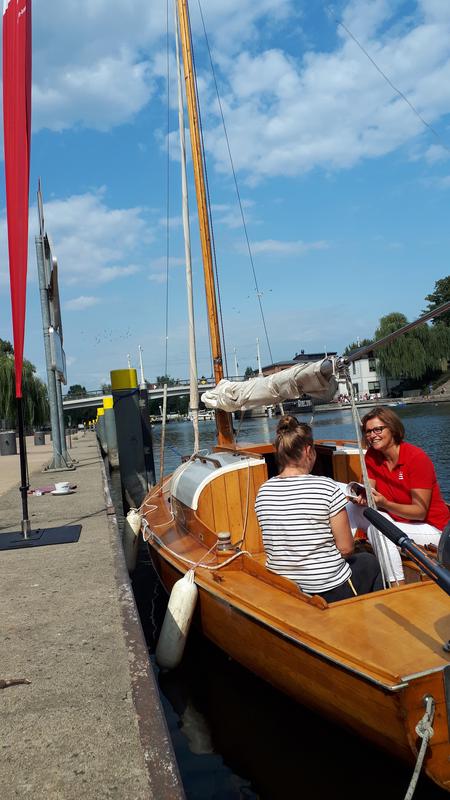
294	514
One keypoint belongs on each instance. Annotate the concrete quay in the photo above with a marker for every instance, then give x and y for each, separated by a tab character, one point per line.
89	725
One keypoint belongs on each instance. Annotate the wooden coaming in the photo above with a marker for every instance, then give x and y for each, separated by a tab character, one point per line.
227	504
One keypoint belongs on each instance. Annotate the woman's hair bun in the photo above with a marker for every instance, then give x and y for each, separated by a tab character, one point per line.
287	423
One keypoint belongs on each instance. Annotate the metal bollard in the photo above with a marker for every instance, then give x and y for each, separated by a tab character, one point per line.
133	473
110	431
8	445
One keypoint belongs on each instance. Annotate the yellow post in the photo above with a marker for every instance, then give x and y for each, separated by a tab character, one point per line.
123	379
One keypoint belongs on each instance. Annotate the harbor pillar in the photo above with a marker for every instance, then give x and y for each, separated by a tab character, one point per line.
39	437
110	431
130	443
100	428
147	434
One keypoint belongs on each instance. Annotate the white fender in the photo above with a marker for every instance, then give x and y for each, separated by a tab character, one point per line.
130	537
177	621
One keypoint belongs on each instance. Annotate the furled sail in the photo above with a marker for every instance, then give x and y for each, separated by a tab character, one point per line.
317	380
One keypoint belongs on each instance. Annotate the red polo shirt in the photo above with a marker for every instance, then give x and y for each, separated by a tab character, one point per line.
414	470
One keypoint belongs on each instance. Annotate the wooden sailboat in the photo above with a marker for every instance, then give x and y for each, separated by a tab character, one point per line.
374	663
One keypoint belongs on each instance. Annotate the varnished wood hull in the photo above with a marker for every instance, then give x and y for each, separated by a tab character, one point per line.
386	717
367	663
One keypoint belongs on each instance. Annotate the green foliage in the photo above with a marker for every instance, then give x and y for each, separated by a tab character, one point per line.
6	347
440	295
415	354
106	388
355	346
34	391
249	372
162	379
76	390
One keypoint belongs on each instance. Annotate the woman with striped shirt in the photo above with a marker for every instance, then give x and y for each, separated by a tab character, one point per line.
305	528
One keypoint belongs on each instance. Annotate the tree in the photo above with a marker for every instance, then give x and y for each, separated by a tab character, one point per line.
440	295
415	354
162	379
76	390
249	372
35	400
356	345
106	388
6	347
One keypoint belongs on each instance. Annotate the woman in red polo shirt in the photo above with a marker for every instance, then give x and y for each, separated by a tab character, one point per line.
403	480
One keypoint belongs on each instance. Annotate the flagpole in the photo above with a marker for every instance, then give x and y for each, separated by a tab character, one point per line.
26	525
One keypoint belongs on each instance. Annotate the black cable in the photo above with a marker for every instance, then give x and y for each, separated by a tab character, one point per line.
388	80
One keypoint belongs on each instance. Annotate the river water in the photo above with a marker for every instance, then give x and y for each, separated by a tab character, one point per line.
236	737
427	425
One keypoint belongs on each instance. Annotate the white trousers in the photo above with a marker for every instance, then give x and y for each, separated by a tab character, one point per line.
419	532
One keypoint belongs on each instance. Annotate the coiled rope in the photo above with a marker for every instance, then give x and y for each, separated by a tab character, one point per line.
424	729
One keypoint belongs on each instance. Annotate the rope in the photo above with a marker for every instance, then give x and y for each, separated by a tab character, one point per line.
209	211
247	505
378	539
149	534
425	730
167	190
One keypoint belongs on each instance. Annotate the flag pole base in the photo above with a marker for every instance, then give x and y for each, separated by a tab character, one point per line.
41	537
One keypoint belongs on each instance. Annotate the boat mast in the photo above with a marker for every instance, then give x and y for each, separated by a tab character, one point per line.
223	420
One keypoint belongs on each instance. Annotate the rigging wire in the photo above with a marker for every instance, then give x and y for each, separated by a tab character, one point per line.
387	79
257	291
208	201
167	189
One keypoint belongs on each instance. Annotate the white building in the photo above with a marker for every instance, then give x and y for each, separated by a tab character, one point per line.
367	381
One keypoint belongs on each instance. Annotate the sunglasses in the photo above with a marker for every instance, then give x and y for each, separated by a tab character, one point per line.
374	431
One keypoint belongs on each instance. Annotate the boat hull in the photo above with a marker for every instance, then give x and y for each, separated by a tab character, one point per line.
385	716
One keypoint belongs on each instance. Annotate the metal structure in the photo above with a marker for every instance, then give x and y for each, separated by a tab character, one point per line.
55	359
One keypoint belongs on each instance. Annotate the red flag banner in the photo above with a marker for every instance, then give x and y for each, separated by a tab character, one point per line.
17	132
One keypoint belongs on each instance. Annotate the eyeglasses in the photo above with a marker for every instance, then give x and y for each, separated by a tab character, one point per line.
374	431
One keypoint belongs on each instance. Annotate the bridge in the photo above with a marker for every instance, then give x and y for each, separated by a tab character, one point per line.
95	399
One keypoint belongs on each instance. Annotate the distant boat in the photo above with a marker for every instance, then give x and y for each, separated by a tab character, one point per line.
204	415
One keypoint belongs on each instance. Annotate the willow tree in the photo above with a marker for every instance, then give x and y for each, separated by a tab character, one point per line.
416	354
35	400
441	294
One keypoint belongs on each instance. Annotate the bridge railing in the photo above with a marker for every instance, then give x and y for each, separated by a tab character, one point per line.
152	387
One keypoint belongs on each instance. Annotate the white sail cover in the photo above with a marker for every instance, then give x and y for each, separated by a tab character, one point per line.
316	380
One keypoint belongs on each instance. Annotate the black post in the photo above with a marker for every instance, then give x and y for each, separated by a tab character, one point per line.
147	435
26	526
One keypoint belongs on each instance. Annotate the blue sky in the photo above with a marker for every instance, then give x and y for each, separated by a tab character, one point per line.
345	190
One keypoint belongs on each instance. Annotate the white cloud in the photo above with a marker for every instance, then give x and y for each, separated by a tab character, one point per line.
270	246
95	64
331	109
98	64
436	153
159	268
81	303
95	243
